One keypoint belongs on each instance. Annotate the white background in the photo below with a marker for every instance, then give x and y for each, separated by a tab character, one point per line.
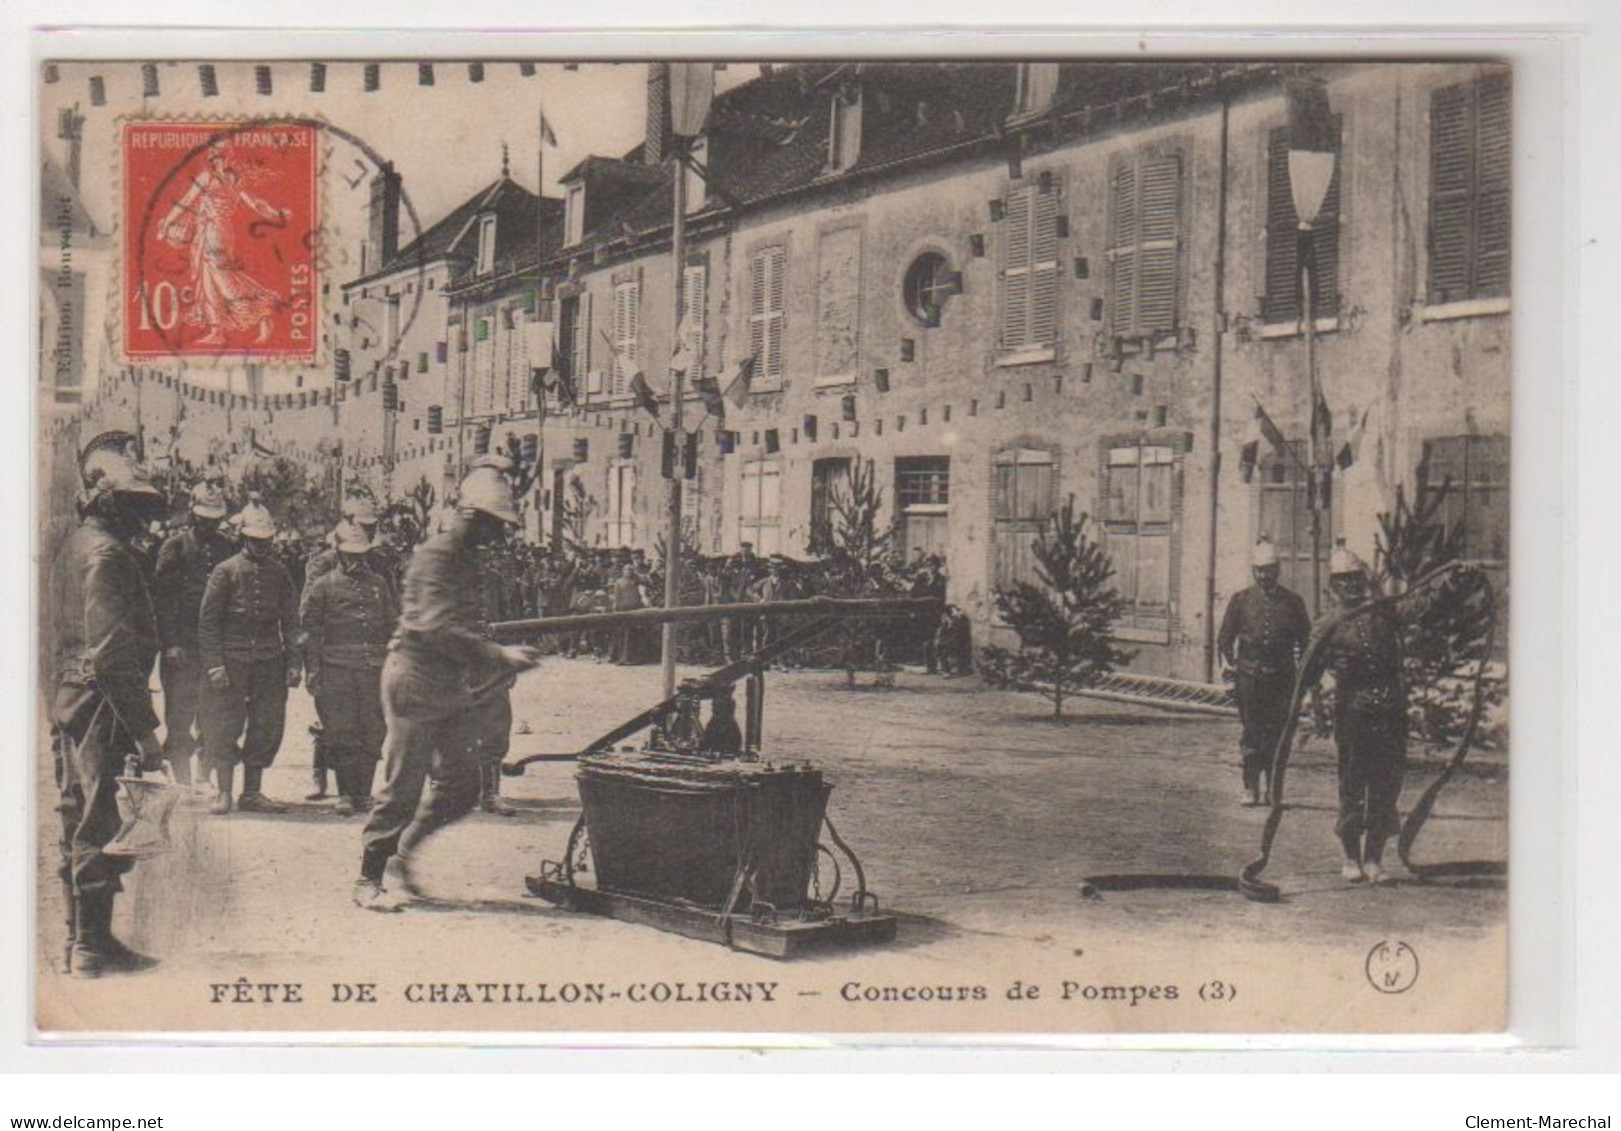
1566	899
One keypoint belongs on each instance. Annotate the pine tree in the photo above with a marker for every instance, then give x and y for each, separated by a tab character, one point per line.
1066	623
1445	627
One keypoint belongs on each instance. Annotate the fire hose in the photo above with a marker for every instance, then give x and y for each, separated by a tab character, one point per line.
1248	882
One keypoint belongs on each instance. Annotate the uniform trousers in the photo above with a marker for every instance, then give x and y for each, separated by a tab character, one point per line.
1263	708
244	722
1372	762
182	693
89	750
433	733
349	703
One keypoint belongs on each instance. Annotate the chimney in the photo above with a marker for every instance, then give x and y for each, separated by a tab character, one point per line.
70	128
658	113
384	217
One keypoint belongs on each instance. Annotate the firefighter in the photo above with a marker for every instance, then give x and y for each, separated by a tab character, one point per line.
1262	635
184	563
438	676
104	641
494	736
1363	653
248	637
347	616
359	509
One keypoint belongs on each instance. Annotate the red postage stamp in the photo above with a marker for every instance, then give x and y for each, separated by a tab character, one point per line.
220	231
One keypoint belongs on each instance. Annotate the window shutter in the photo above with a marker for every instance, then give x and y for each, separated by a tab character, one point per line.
1044	267
695	279
774	299
1451	177
1159	220
1492	211
1123	249
757	314
582	346
765	307
1282	271
1016	271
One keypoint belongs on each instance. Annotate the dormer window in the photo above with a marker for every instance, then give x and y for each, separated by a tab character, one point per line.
1038	82
486	244
574	215
844	138
696	186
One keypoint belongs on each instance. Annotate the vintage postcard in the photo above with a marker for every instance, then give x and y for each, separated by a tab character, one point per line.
990	547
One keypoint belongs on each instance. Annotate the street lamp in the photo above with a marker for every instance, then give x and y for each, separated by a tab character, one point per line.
691	90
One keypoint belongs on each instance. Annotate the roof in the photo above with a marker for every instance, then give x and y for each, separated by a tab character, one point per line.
517	210
768	138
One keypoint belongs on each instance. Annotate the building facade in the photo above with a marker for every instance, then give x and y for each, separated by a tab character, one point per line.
1006	285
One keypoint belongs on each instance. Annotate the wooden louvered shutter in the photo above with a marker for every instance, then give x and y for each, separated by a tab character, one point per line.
1016	271
1160	227
1494	144
1282	270
774	306
1451	183
765	311
1122	249
696	309
1043	267
585	379
757	311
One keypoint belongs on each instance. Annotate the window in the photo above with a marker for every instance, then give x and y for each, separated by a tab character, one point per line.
1282	302
844	136
1470	158
486	245
1137	514
929	282
695	305
922	504
574	215
391	325
626	317
574	338
1030	268
1038	82
1024	489
1285	520
759	520
1145	228
829	477
766	311
1474	470
621	523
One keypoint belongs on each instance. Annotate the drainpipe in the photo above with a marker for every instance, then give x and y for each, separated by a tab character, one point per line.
1213	474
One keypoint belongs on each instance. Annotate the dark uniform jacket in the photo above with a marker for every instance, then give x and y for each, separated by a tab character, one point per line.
184	563
1267	630
347	619
105	633
249	613
441	626
1365	657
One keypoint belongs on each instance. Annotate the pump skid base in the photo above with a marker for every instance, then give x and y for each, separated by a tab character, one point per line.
781	938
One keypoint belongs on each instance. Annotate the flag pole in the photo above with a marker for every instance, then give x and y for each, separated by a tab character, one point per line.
539	389
672	540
